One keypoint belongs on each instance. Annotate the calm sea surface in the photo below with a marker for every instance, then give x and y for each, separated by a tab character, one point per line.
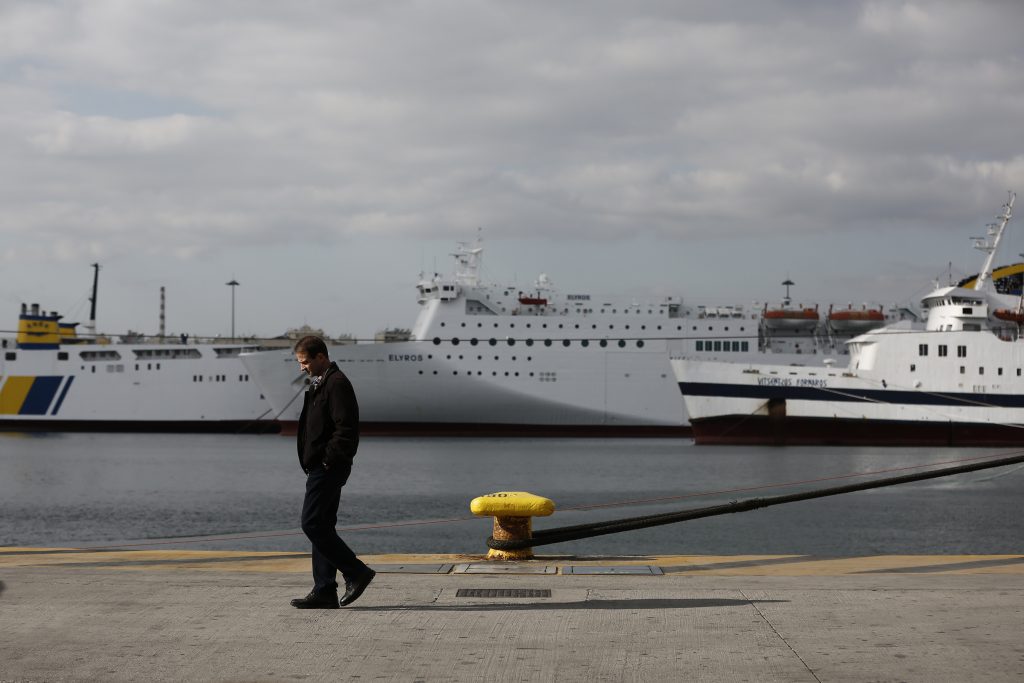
107	489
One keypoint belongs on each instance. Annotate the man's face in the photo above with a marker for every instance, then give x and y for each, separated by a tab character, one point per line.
315	366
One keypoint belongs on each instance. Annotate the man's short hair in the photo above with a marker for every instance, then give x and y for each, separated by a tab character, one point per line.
311	346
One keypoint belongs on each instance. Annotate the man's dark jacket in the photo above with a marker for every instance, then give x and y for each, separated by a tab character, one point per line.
329	423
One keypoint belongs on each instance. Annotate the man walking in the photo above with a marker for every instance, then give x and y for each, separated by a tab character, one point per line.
327	443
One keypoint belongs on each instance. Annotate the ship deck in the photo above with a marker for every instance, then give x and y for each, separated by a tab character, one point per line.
115	614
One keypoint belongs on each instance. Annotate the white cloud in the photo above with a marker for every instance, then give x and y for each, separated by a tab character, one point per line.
66	133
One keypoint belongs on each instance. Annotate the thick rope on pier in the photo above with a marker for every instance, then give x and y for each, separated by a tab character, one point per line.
580	531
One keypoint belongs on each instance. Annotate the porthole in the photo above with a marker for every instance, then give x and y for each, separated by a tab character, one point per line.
455	341
585	343
547	342
437	341
492	341
622	343
566	342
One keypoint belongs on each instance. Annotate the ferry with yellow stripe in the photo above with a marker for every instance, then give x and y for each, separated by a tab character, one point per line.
52	379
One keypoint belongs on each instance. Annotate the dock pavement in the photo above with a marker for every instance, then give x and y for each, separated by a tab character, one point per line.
190	615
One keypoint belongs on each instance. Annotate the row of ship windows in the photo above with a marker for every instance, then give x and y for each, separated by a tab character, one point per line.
542	376
119	367
455	341
725	346
114	355
217	378
943	350
593	327
547	377
963	370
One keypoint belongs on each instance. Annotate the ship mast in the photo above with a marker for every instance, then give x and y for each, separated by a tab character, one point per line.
467	262
91	326
990	243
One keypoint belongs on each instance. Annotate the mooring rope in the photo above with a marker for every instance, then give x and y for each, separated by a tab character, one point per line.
581	531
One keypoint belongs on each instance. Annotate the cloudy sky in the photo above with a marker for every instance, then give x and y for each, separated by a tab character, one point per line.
324	153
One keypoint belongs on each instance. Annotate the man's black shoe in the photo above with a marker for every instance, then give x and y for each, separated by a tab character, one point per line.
354	589
317	601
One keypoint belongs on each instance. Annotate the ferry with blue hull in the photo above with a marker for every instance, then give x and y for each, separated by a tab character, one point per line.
492	358
52	379
955	380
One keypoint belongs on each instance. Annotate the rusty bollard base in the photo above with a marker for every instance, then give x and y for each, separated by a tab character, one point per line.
513	512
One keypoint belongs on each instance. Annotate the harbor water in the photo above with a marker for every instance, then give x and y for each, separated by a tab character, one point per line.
158	490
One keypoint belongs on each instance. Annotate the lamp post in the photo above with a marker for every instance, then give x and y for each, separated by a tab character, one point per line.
232	285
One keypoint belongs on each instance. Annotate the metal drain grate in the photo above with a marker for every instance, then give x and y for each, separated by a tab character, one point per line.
503	593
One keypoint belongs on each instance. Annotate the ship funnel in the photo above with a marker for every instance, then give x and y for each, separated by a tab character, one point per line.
35	309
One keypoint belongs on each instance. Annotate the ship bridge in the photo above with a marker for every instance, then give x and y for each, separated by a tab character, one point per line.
955	309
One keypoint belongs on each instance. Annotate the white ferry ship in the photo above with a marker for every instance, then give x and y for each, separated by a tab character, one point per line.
501	359
52	379
955	380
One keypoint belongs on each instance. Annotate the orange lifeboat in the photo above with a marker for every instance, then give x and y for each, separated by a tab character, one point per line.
848	319
790	318
1009	315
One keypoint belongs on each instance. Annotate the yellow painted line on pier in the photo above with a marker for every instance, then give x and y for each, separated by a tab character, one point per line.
808	565
672	565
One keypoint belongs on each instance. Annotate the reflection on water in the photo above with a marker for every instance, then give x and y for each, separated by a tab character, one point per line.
70	489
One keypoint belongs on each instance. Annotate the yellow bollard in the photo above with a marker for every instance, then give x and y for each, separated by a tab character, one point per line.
513	513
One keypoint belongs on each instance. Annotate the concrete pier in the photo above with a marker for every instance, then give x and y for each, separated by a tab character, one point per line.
178	615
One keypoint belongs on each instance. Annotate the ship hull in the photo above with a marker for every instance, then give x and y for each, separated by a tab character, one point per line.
471	429
822	431
409	388
141	426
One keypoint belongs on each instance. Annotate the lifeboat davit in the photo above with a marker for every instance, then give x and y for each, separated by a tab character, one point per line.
848	319
790	318
1009	315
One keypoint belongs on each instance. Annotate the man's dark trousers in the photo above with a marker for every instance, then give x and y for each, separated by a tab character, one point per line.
319	518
